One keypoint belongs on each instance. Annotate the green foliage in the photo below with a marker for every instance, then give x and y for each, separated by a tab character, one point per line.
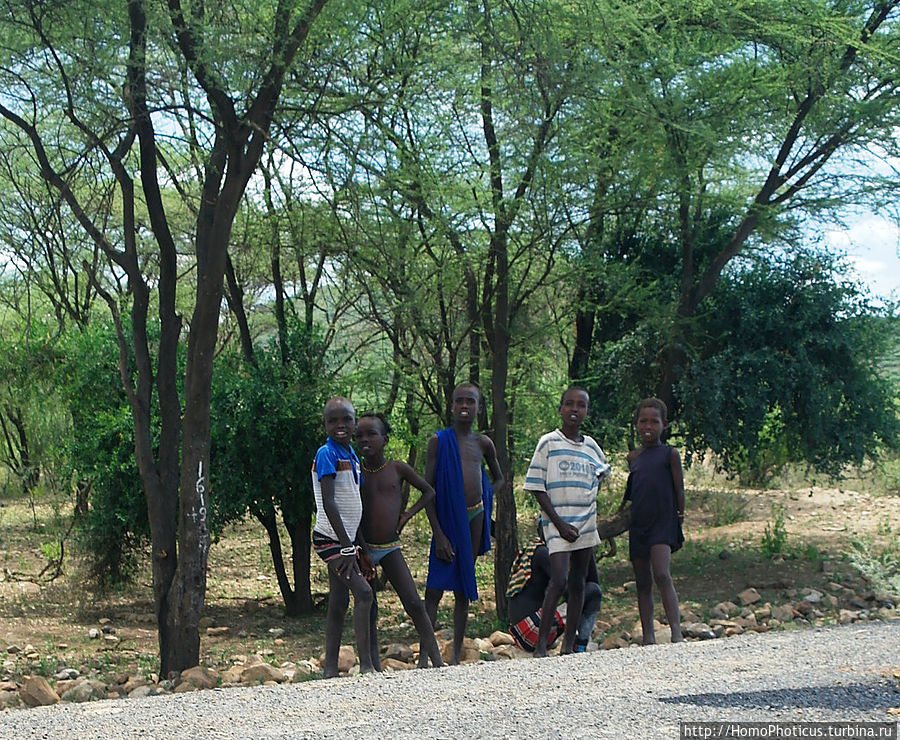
724	507
880	566
266	428
786	369
774	536
104	473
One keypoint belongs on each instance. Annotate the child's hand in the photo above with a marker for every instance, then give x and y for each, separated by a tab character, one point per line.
569	532
347	565
368	565
403	521
442	547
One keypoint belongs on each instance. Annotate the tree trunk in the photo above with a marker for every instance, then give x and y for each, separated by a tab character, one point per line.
301	551
297	600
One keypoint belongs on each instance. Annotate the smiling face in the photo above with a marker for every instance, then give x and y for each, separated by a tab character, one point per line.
573	409
464	403
371	438
649	425
340	420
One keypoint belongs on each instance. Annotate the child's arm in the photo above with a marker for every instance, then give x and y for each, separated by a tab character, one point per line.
567	531
677	481
347	563
407	473
490	457
442	547
365	559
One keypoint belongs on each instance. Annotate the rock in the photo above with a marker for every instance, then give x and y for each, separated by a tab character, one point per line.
232	675
261	673
398	651
67	674
13	649
812	596
499	638
94	633
845	616
108	629
36	692
724	623
149	690
698	631
346	658
620	640
749	596
198	677
206	622
483	645
276	631
509	652
724	609
468	654
215	631
305	670
85	691
724	554
8	699
8	686
783	612
392	664
747	622
803	607
61	687
134	682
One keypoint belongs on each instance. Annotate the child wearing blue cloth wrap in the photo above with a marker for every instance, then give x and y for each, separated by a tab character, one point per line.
454	469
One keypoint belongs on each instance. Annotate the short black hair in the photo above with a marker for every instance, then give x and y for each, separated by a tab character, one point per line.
574	388
653	403
377	415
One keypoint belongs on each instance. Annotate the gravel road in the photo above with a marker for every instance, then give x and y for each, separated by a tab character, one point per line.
839	674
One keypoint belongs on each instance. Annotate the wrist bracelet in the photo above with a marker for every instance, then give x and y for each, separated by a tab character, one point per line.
348	551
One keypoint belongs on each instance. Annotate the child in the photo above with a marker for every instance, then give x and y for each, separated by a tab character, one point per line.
336	537
564	475
383	520
656	490
463	503
528	581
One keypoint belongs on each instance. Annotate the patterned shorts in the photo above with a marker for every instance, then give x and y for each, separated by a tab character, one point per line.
525	631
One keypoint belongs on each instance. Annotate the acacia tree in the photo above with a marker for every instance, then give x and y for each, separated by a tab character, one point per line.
450	132
93	91
748	118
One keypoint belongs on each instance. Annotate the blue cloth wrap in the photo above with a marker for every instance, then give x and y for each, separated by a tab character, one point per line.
450	502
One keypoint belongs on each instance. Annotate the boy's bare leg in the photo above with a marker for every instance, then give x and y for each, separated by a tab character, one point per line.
578	565
660	555
461	602
432	599
362	616
397	572
338	601
460	619
374	647
643	579
559	570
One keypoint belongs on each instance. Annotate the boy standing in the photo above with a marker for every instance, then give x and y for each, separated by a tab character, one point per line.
336	537
383	520
463	504
564	475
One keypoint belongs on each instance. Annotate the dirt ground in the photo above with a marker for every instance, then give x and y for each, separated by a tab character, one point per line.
810	529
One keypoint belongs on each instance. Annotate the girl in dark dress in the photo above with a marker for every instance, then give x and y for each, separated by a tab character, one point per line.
656	490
